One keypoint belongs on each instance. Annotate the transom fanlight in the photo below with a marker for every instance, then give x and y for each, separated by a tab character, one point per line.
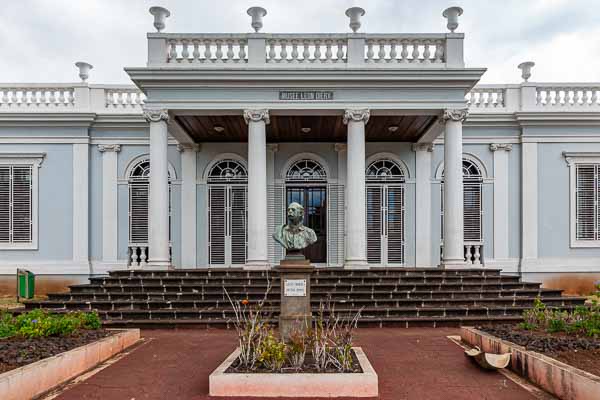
306	170
470	170
228	171
384	170
142	171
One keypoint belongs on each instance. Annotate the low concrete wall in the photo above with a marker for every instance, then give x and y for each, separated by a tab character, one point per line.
363	384
39	377
560	379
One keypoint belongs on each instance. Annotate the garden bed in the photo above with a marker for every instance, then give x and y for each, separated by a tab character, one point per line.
17	351
225	381
580	351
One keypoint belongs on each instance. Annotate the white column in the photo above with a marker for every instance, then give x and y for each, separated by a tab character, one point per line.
158	201
454	256
356	207
188	204
501	200
423	239
529	211
257	121
80	203
110	231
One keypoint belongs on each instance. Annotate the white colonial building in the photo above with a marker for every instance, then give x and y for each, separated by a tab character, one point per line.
398	156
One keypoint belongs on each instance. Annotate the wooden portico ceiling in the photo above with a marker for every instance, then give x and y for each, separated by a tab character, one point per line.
323	128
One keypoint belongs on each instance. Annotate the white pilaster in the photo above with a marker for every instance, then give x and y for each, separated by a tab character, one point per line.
454	256
257	188
424	245
501	199
158	201
110	231
81	202
188	204
356	227
529	212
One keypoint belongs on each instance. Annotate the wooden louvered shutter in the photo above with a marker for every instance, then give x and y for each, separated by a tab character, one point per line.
138	212
21	204
374	224
216	224
5	204
335	224
395	225
586	193
472	211
276	217
238	223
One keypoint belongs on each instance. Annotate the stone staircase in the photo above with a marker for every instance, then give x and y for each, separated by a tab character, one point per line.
403	297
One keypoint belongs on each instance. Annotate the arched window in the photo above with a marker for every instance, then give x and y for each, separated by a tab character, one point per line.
472	202
139	183
227	213
385	212
227	171
306	171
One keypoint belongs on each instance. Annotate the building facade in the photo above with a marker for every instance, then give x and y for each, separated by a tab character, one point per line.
398	156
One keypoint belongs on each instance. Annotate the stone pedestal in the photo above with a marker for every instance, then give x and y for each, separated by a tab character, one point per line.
295	310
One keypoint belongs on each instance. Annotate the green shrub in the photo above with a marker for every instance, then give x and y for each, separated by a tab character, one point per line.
272	352
41	323
7	326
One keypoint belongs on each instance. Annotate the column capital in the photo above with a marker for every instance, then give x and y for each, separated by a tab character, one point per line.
357	114
156	115
257	116
104	148
458	114
273	147
501	146
340	147
422	147
191	147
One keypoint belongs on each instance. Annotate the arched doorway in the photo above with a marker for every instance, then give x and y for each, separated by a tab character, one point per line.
139	185
306	184
385	212
227	213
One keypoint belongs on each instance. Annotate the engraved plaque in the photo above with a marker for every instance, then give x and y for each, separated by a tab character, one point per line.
307	95
294	287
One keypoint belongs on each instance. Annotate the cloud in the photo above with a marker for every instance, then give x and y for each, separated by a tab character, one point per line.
41	39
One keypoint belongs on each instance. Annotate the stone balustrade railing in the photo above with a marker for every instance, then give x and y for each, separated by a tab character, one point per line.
45	98
534	97
473	253
138	254
354	50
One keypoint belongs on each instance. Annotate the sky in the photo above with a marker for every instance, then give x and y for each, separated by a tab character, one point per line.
40	40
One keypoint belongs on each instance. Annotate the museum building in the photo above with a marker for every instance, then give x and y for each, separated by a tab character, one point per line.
398	156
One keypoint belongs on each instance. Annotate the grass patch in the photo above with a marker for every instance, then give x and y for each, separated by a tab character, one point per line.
42	323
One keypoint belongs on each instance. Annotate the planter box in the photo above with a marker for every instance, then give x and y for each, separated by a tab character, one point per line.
41	376
363	384
560	379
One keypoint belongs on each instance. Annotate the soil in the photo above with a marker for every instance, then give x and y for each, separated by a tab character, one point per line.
579	351
307	368
16	352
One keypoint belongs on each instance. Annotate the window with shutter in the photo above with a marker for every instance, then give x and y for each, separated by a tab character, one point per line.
16	195
586	199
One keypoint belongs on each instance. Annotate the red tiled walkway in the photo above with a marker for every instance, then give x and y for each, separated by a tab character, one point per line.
411	363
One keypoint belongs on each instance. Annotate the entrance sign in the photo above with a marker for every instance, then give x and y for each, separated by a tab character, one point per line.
311	95
294	287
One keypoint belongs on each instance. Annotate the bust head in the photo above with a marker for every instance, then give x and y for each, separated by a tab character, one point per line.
295	213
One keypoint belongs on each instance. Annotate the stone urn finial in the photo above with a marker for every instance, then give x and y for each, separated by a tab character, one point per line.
525	68
160	15
452	14
354	13
257	14
84	70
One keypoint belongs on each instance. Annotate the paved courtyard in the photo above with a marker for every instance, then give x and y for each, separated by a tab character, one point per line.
412	364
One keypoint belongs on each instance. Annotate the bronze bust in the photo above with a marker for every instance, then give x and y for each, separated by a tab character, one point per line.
294	235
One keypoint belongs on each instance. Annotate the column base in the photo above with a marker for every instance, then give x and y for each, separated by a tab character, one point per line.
356	264
257	265
453	264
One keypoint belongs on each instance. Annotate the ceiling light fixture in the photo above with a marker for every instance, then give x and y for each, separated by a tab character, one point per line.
306	130
218	128
392	128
